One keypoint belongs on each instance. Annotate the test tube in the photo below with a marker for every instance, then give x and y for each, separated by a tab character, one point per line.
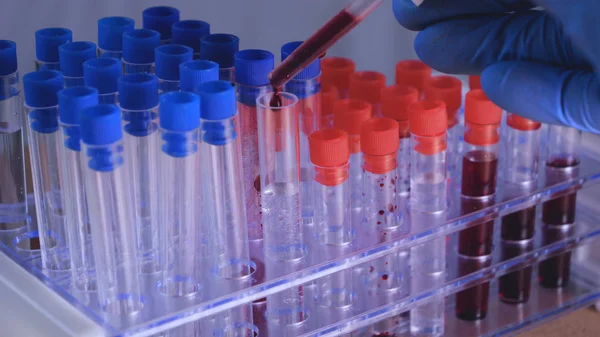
189	33
72	55
306	85
413	73
193	73
349	115
161	19
329	95
71	102
428	182
103	74
449	90
521	164
138	99
110	35
13	198
111	220
367	86
221	48
168	58
138	51
41	106
337	72
395	101
47	41
480	163
558	215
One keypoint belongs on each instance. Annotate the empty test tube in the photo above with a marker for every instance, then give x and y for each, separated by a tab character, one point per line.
189	33
168	58
103	74
367	86
71	102
138	99
337	72
329	95
72	56
13	198
428	184
179	185
47	41
161	19
413	73
111	220
138	51
193	73
110	35
41	105
221	48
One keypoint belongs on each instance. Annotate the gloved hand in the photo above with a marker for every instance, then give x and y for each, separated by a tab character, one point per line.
536	63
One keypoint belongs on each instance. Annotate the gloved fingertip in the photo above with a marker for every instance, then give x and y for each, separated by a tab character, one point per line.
407	14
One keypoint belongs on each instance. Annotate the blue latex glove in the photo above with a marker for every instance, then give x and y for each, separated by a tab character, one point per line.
536	63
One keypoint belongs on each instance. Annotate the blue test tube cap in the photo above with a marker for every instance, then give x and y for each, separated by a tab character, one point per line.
220	48
160	19
102	74
217	100
252	67
168	58
48	40
192	73
189	33
101	124
8	57
41	88
138	91
110	32
139	45
311	71
71	101
73	54
179	111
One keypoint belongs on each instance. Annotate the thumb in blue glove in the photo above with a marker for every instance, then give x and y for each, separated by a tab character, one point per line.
537	63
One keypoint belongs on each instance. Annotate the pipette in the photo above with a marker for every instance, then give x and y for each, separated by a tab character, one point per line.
315	46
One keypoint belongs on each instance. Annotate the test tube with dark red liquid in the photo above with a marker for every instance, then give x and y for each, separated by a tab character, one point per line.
480	162
522	144
558	215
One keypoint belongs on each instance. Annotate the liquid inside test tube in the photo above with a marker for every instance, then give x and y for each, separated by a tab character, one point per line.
103	74
337	72
138	51
168	58
47	41
367	86
72	56
110	35
221	48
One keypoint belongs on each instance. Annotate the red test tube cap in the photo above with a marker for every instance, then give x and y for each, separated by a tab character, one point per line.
522	123
367	85
479	109
428	123
474	82
329	148
337	71
379	137
349	114
413	73
447	89
395	100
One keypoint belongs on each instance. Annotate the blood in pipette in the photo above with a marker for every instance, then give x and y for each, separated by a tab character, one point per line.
276	101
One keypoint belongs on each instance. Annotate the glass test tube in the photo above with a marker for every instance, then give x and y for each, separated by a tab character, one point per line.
161	20
480	163
41	105
138	99
47	41
168	58
251	70
72	55
221	148
428	205
329	95
449	90
558	215
138	51
13	198
337	72
110	35
221	48
103	74
329	153
306	85
521	164
189	33
413	73
71	102
367	86
194	73
111	220
348	115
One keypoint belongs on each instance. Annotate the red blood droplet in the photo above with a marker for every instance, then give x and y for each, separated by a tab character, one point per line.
384	277
381	185
381	212
371	269
390	208
393	181
257	184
